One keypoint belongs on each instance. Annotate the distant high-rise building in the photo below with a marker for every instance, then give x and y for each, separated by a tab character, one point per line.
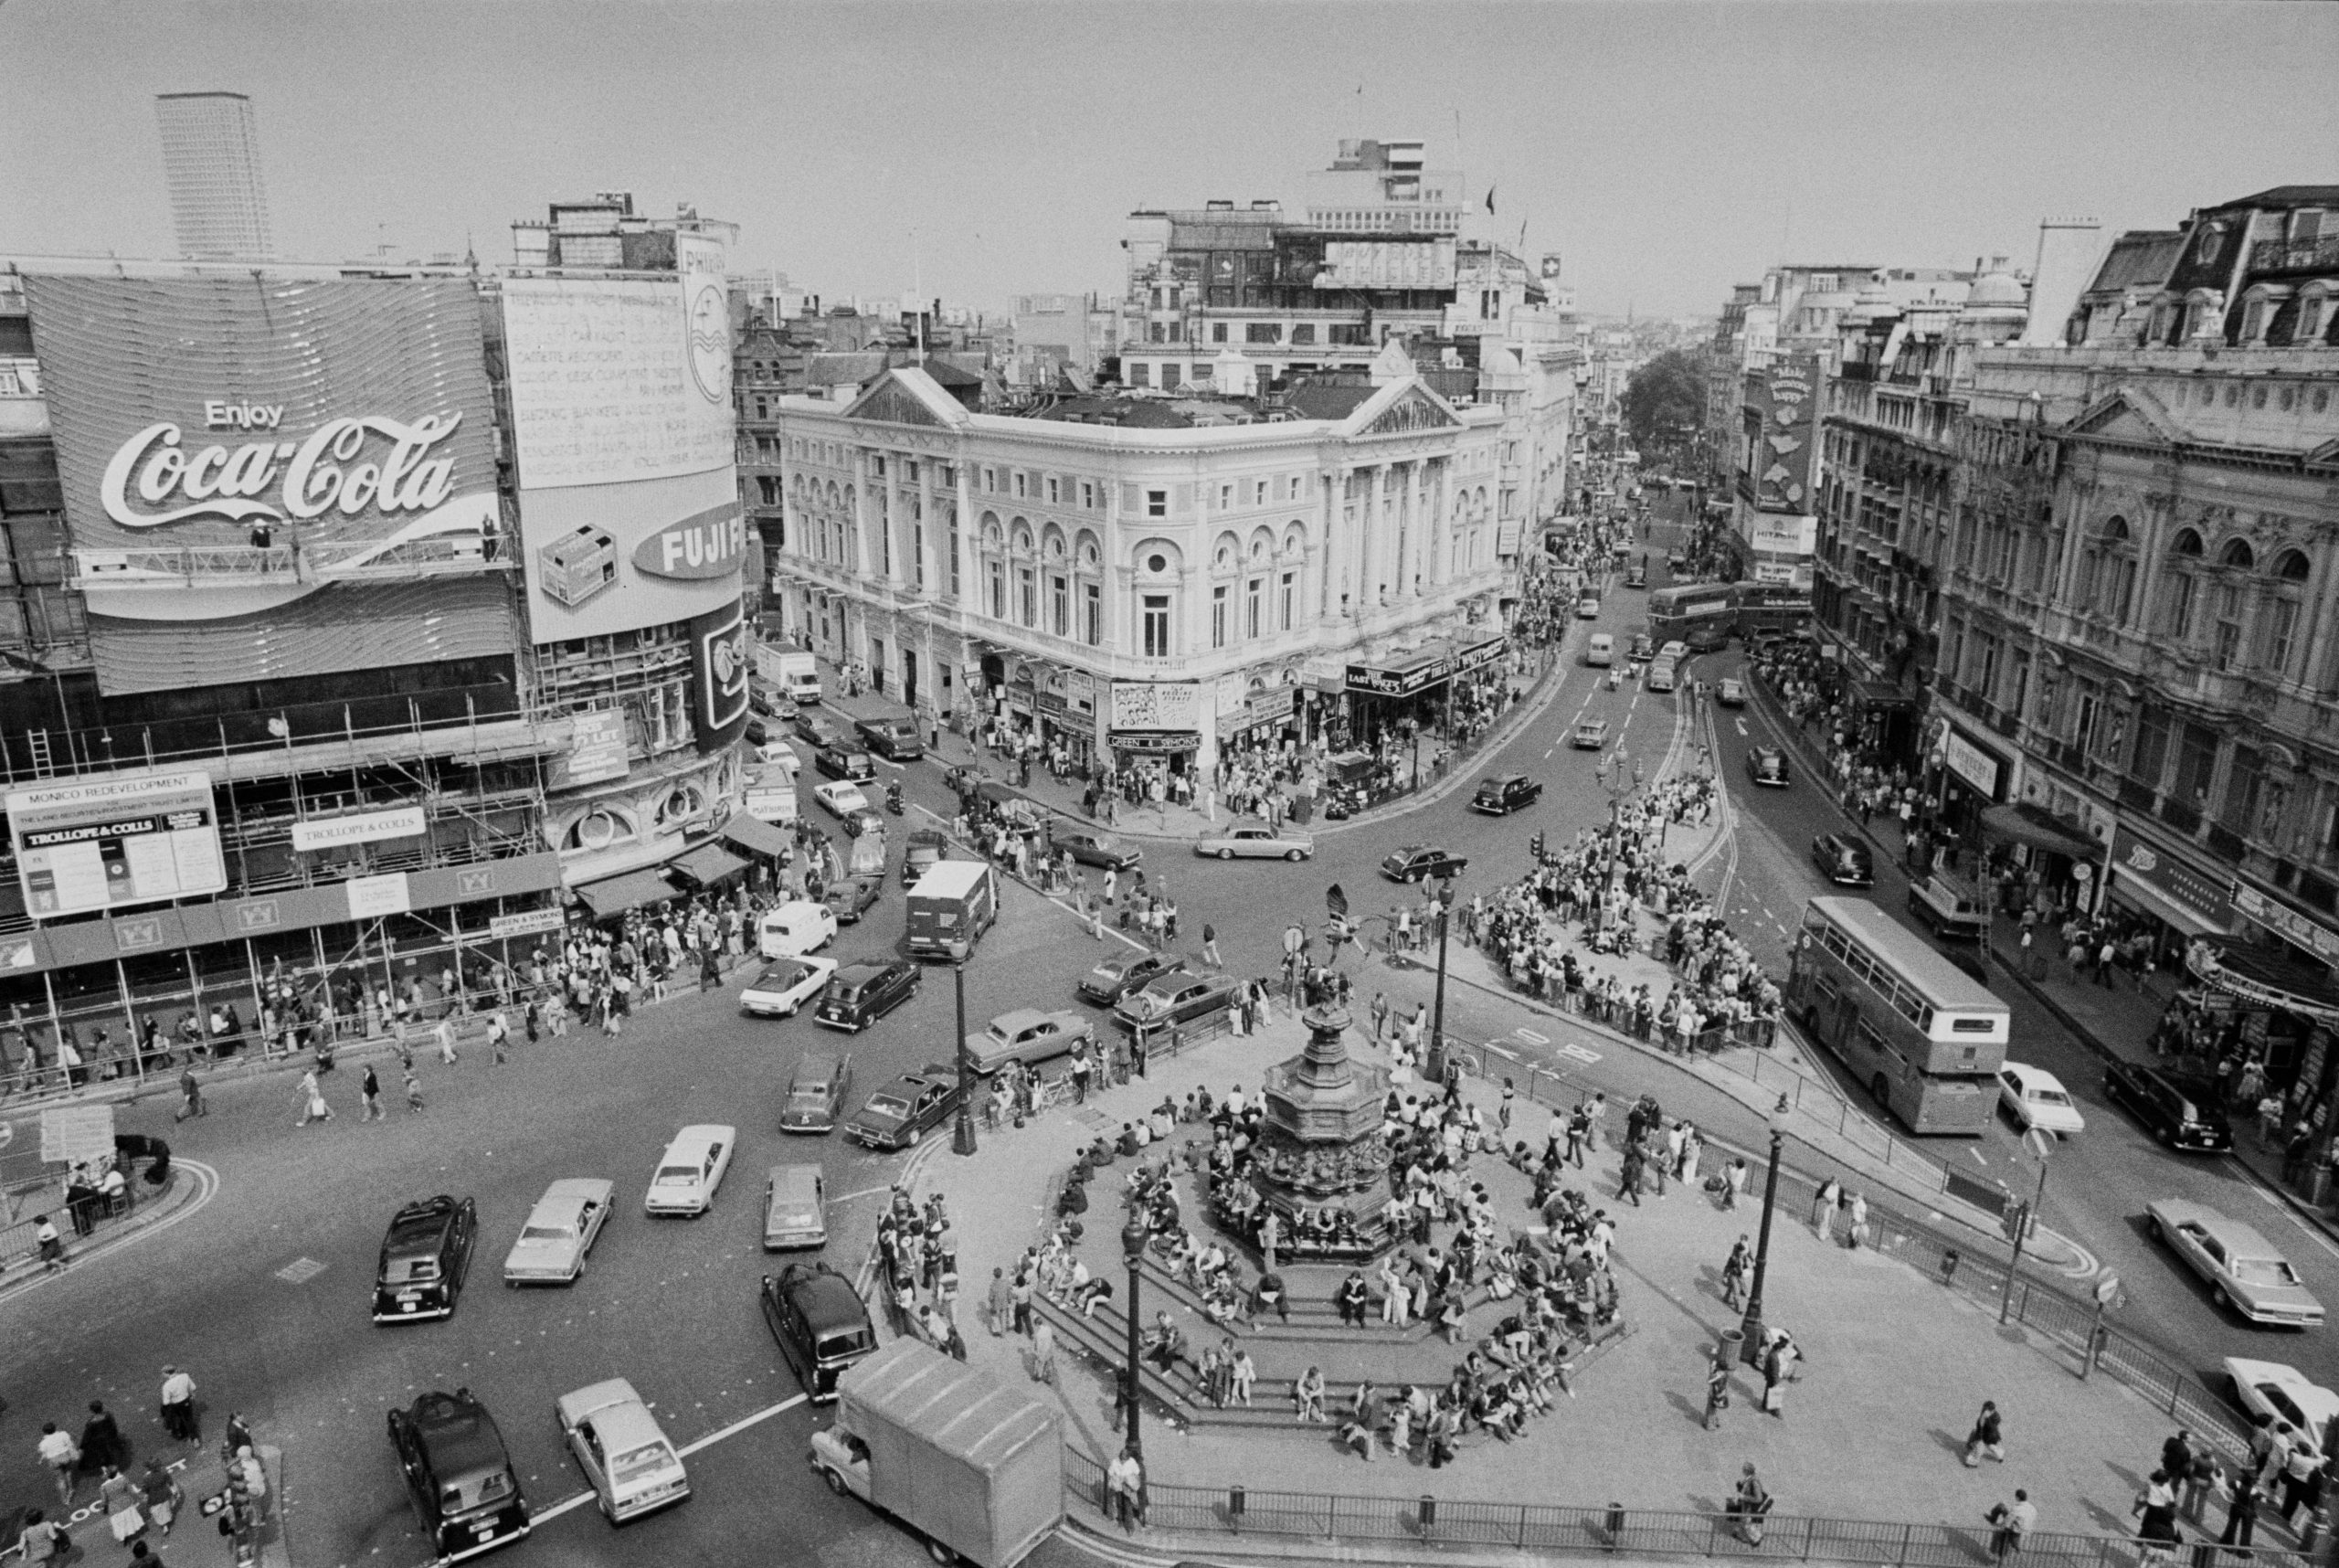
211	159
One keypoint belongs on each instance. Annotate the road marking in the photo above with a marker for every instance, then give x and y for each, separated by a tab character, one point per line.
1740	722
864	1193
1977	1155
1583	1054
300	1271
1531	1037
687	1450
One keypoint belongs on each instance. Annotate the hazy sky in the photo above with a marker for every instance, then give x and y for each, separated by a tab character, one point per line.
1665	150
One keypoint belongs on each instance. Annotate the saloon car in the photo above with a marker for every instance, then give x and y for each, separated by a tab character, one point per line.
820	1323
848	764
1124	972
2245	1271
1170	1000
785	985
925	849
1731	693
2271	1388
796	1207
616	1442
2181	1112
858	995
1589	734
465	1494
1254	841
1092	848
898	1115
2034	1096
852	896
841	799
690	1171
1767	765
1500	797
559	1231
1027	1035
1420	863
1842	861
425	1256
816	1092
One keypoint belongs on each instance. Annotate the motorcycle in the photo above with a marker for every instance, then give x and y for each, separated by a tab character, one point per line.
893	798
1616	680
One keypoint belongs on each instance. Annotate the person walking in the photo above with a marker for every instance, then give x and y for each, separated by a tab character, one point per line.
313	1107
413	1090
1209	946
177	1406
190	1094
2011	1522
1043	1351
1733	1273
50	1245
102	1443
163	1495
1857	1231
1985	1437
1716	1390
2241	1514
369	1094
1125	1482
62	1457
445	1034
499	1036
1000	1303
1823	1204
1749	1504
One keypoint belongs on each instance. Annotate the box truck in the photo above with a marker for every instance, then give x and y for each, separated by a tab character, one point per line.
950	907
789	672
974	1466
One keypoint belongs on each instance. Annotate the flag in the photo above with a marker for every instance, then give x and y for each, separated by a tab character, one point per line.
1490	201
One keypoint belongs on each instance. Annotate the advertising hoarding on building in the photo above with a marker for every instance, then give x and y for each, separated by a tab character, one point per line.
358	828
596	750
111	844
1156	705
719	667
1784	437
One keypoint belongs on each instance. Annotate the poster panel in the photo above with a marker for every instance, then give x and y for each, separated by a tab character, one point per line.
110	843
611	380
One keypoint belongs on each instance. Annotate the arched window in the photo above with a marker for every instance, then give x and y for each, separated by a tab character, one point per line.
2184	586
2278	629
599	828
2109	584
2231	604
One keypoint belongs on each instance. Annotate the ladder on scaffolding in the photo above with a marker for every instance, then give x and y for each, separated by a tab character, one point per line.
36	742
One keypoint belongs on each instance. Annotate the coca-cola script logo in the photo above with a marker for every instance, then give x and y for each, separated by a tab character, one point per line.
308	478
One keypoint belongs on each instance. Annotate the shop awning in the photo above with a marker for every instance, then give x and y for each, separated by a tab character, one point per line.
706	865
629	890
2260	977
756	836
2126	885
1881	694
2024	824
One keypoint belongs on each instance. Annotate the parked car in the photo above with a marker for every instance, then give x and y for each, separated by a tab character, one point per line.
1589	734
820	1323
817	1091
898	1115
1767	765
785	985
1027	1035
1644	647
817	731
1092	848
2036	1098
1171	1001
1731	693
2181	1112
925	849
1500	797
755	730
851	896
2271	1388
625	1456
425	1256
1419	863
1242	840
895	738
841	799
466	1495
858	995
1675	651
1842	861
559	1231
690	1171
2244	1270
848	763
796	1207
1124	972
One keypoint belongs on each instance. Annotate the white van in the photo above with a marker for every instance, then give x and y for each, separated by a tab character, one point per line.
795	928
1600	652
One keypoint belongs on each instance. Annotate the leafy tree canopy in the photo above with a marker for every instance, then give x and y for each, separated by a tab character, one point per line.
1664	399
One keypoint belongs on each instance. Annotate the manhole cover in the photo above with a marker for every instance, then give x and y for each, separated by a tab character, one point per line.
300	1271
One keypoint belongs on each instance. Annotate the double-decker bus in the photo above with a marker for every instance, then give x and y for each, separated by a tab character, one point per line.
1772	609
1925	1038
1699	614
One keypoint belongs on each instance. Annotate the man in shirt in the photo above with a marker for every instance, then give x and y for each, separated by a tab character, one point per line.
57	1452
178	1406
1125	1480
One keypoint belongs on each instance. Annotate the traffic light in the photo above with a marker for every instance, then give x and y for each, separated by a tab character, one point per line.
1535	846
2015	1222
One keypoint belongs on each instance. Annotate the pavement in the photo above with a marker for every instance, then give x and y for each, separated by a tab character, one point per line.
1896	1368
189	1187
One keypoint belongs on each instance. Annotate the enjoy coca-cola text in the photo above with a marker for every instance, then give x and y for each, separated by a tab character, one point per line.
311	477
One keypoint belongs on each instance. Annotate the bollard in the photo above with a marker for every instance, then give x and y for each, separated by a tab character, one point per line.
1949	1260
1235	1501
1615	1525
1428	1513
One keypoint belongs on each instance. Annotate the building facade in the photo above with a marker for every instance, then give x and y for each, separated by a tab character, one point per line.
211	165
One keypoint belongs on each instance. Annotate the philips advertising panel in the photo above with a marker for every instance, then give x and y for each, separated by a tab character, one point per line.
719	666
98	844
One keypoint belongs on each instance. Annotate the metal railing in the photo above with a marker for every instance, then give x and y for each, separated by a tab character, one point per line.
1431	1521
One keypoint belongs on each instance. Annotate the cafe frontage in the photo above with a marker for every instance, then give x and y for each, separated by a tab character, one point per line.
1426	690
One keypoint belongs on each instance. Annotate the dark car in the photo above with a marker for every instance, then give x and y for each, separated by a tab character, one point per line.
758	731
1170	1000
898	1115
851	896
1842	861
465	1493
1500	797
816	1092
818	731
890	738
850	763
1420	863
820	1323
424	1258
2180	1111
1124	972
859	994
1098	849
926	848
1767	764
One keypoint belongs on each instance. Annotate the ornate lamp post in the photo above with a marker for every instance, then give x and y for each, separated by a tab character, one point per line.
962	1136
1435	1065
1750	1345
1132	1239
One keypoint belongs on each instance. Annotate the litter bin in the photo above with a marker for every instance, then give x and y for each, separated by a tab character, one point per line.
1733	1347
1949	1261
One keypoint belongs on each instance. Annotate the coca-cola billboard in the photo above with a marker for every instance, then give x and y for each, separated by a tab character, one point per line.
336	418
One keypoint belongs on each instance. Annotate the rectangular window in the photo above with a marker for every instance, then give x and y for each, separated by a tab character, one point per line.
1157	626
1258	493
1059	606
1287	602
1253	596
1019	481
1140	373
1092	614
1087	495
954	564
1296	482
1218	332
1052	490
1305	333
1157	503
2179	622
1218	616
2228	649
1170	376
1261	332
998	590
1027	609
991	480
917	556
2245	784
1226	498
2196	765
2282	629
2153	727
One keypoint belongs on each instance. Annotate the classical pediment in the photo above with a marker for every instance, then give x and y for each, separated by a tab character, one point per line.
908	396
1406	407
2131	415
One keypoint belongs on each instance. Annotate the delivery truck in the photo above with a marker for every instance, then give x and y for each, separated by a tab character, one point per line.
789	672
973	1465
951	907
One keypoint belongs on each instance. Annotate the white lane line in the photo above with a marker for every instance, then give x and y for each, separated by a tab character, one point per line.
712	1438
1740	722
575	1501
1977	1156
864	1193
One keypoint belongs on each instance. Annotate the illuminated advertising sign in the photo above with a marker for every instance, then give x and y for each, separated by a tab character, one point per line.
110	843
719	666
1387	264
1786	397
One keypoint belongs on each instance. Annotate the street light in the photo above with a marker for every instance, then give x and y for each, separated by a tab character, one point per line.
2041	1145
1435	1065
962	1136
1751	1329
1132	1239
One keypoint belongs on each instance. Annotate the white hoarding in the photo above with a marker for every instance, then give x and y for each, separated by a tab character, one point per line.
360	828
1157	705
110	843
609	382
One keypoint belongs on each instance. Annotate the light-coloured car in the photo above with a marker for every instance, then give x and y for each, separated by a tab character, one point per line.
2269	1388
1242	840
1590	734
559	1231
841	799
1027	1035
795	1212
616	1442
795	928
2036	1098
2244	1270
1731	693
785	985
690	1171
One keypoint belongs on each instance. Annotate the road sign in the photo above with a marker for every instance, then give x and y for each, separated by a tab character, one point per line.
2107	1290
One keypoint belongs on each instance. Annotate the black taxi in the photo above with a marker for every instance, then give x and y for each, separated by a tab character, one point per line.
465	1493
424	1260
